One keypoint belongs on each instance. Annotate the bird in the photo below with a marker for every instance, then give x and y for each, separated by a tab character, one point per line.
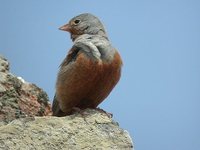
90	70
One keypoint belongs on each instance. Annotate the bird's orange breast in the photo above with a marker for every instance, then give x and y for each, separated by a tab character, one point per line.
87	82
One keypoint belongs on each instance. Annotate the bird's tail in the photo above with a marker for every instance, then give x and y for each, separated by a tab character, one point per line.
56	108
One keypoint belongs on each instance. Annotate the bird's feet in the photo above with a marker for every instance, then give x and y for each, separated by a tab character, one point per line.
110	115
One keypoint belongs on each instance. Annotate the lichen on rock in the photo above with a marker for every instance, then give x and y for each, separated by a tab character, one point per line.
19	98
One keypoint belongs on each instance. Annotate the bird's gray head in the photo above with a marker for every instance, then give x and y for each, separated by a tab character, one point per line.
84	24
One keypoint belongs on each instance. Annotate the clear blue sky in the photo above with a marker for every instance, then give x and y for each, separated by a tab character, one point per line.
158	97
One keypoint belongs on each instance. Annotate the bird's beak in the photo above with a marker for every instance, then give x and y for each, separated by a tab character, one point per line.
65	27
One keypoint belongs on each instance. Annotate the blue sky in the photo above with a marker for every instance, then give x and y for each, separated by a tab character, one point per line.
158	97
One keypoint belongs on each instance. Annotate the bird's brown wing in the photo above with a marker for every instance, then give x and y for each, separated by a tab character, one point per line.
71	56
75	78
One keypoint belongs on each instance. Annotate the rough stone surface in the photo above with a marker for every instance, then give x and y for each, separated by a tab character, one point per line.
19	98
21	128
91	130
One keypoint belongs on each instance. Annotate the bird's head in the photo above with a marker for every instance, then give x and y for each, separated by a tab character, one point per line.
84	24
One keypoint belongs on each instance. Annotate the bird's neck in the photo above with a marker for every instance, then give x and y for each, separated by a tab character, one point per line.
99	33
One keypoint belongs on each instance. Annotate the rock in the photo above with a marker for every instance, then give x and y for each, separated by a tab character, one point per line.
26	124
4	64
19	98
91	130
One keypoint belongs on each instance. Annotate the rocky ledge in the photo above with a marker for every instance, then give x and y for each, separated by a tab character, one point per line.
26	122
93	130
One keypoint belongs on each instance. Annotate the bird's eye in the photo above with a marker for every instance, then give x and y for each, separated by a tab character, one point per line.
77	21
